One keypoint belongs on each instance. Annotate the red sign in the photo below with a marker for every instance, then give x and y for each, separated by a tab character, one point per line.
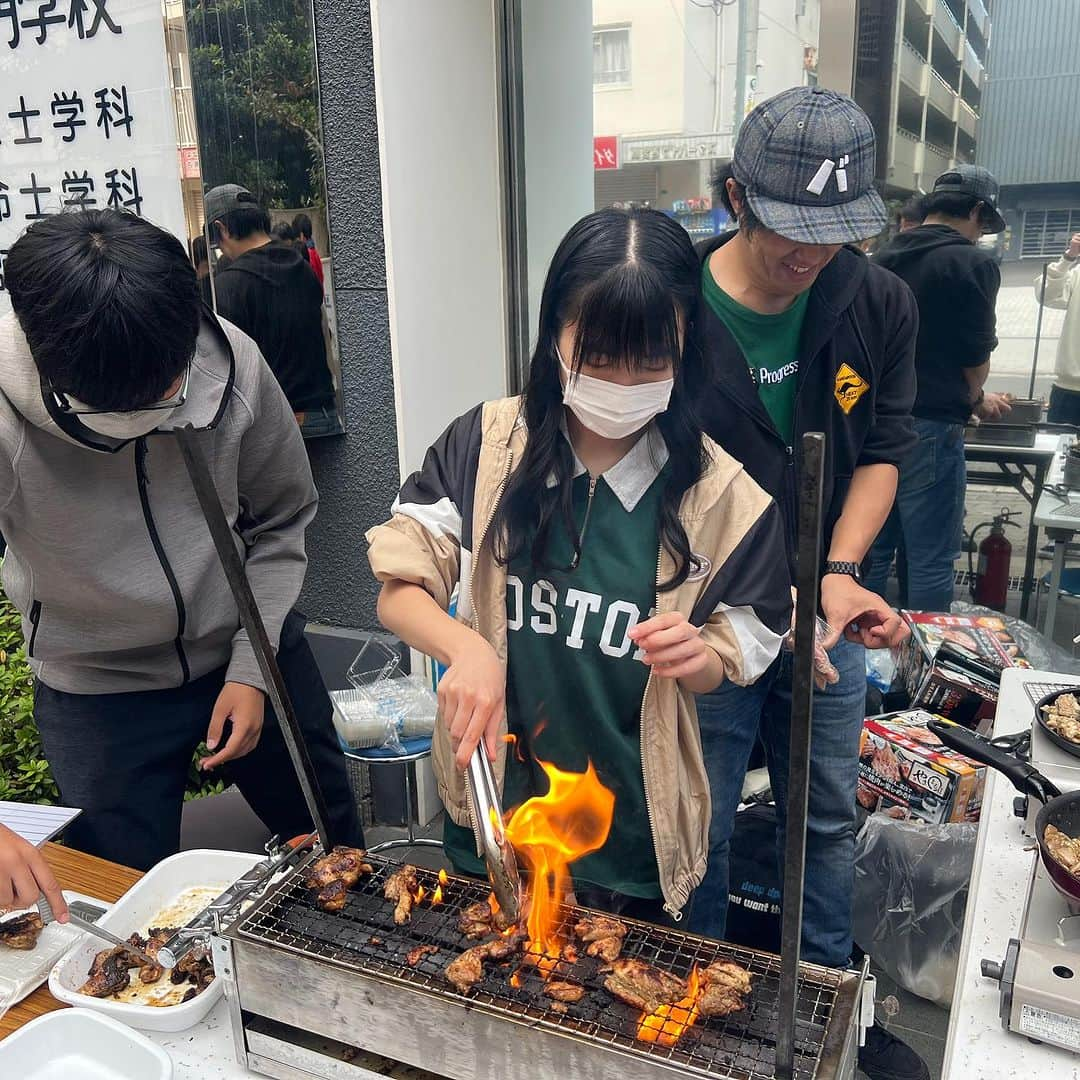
605	151
189	162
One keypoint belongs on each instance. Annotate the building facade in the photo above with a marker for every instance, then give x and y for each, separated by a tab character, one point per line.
1030	136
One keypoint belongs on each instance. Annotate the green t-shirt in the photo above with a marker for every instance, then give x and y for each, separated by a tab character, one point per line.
770	344
574	686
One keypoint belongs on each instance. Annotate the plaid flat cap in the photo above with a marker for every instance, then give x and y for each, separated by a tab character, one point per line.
807	159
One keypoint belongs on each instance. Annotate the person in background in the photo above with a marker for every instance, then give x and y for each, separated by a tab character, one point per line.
201	262
802	333
270	292
910	215
955	283
615	505
302	228
1063	292
130	625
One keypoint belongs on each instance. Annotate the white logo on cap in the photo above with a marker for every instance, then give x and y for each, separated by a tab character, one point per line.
825	170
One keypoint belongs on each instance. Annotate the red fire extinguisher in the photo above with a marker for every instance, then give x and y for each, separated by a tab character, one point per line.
991	583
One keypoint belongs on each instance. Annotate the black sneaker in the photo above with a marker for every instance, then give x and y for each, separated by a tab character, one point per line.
885	1057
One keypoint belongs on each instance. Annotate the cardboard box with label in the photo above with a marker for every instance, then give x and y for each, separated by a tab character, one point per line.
906	772
951	665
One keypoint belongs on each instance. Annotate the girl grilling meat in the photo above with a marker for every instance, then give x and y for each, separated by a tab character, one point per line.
610	562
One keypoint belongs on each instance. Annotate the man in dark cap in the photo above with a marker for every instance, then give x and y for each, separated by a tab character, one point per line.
801	332
955	283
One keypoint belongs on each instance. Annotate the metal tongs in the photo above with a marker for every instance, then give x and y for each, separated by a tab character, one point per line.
492	844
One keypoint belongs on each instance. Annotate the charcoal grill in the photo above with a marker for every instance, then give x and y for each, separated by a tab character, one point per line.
311	994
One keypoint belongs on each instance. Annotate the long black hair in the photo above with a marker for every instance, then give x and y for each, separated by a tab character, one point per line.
628	283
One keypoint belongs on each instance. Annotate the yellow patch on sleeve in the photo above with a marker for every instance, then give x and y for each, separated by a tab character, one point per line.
850	386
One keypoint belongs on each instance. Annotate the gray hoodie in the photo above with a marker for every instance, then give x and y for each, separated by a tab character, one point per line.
109	559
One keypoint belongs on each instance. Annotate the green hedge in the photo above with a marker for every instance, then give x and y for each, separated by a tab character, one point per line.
24	772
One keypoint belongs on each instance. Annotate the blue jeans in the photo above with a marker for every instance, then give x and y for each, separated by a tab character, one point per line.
927	521
730	719
321	421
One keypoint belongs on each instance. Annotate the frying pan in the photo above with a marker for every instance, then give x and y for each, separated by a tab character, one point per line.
1058	740
1061	811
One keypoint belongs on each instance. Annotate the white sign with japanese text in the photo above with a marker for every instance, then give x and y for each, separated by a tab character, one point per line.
86	114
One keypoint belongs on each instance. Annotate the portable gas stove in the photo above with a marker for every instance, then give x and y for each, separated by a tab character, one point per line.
310	991
1040	975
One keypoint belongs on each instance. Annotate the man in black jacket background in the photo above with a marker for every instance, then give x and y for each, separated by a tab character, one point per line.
955	283
801	333
269	290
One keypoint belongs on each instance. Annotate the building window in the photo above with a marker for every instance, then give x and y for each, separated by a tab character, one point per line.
1047	233
611	56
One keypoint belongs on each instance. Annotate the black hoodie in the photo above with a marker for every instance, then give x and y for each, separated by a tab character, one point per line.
856	381
271	293
955	285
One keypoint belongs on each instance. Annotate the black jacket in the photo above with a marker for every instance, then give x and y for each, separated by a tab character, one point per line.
856	383
271	293
955	285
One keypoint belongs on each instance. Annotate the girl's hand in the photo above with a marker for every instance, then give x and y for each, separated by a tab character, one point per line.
472	698
672	646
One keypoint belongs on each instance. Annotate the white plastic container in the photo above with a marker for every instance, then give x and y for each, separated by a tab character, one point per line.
21	973
135	911
77	1043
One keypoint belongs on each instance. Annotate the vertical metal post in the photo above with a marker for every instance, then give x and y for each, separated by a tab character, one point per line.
1038	331
745	61
811	473
251	620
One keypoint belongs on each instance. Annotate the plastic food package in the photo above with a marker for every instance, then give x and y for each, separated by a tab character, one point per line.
825	674
1042	653
384	707
911	887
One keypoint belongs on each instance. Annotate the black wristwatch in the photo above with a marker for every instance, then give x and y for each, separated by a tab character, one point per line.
851	569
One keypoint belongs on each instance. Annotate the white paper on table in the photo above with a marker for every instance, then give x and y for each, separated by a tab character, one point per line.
36	823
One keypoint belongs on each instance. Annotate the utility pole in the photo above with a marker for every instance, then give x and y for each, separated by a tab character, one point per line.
745	61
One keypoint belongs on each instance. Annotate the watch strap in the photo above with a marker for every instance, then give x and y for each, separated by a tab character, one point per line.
851	569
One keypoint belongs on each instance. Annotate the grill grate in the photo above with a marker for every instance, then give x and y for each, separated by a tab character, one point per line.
363	938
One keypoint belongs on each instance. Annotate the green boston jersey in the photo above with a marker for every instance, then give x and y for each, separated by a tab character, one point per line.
770	344
574	682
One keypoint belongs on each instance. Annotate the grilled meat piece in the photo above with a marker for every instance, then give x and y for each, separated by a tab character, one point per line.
109	973
401	887
150	973
22	931
642	985
418	954
477	921
334	874
192	993
564	990
602	935
194	967
570	953
724	988
468	968
332	897
1063	849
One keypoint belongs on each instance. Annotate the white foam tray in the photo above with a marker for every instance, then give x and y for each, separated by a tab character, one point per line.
77	1043
135	911
23	971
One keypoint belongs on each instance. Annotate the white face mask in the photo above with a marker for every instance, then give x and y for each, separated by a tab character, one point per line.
123	425
610	410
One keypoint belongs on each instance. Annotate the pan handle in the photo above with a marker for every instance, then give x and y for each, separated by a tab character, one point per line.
1025	778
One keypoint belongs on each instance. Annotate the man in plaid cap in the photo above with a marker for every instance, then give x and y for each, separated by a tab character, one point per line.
801	332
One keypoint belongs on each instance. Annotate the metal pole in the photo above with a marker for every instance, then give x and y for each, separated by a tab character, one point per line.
745	61
251	620
1038	331
811	475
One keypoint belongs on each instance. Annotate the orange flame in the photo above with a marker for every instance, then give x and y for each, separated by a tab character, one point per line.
443	878
515	980
550	832
437	897
421	892
670	1022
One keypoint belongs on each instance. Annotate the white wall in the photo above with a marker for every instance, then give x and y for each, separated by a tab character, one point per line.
557	62
438	141
782	37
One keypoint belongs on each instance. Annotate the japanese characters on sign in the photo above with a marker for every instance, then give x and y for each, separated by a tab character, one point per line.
718	144
87	119
605	151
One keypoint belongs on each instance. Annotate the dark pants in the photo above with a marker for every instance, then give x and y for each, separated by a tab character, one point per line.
1064	406
630	907
730	719
124	760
